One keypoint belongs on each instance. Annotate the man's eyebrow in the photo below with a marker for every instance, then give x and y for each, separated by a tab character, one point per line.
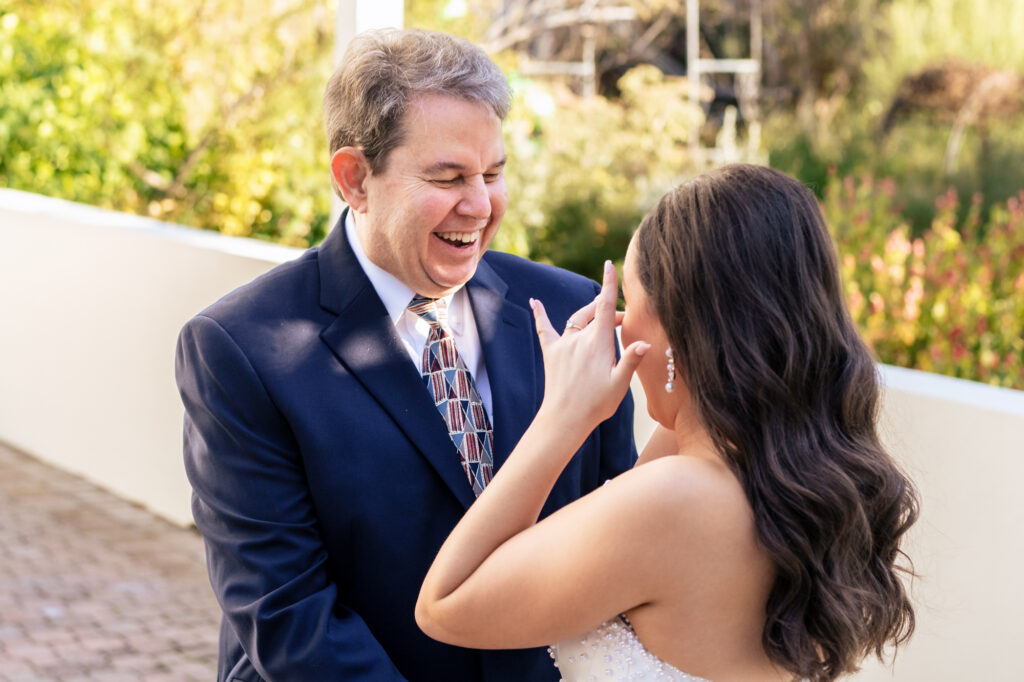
442	166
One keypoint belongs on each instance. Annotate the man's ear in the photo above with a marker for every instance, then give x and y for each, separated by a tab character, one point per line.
349	169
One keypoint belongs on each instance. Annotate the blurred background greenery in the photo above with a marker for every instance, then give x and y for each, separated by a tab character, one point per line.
904	116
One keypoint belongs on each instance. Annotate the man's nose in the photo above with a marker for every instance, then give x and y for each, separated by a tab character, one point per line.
476	200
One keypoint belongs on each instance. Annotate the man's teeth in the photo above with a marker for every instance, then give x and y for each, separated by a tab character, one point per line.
458	237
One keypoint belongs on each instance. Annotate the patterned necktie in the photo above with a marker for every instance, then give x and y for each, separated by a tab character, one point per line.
455	395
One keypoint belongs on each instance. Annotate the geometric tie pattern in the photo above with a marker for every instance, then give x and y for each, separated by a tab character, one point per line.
455	395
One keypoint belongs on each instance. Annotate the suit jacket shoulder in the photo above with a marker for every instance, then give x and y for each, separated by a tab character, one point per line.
281	292
546	282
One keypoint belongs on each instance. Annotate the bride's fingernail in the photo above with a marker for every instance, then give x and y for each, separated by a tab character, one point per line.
642	349
533	303
608	267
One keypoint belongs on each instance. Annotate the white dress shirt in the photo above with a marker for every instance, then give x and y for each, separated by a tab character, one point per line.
413	330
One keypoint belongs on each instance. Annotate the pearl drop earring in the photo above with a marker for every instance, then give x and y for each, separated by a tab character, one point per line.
671	371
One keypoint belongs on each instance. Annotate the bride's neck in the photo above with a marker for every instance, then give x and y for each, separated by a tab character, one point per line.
691	436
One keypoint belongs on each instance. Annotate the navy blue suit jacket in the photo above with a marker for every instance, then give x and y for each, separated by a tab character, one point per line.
324	478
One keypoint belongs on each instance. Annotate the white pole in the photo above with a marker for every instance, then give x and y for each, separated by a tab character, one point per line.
356	16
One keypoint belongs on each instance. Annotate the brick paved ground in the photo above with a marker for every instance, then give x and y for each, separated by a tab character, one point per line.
95	588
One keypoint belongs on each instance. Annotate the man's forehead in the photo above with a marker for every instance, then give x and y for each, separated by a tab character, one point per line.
430	108
436	145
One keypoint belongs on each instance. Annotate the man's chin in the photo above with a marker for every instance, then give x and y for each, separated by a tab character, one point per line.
448	282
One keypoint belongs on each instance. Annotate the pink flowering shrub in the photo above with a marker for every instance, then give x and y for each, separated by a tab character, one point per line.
949	301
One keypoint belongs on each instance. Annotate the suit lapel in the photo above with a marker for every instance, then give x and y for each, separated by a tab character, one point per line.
506	339
364	340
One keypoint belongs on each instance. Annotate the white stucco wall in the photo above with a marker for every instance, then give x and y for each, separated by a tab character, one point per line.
90	306
963	444
91	302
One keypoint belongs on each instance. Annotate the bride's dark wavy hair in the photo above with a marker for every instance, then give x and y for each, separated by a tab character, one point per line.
742	273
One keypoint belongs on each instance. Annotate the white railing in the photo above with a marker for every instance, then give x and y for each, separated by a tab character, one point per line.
91	302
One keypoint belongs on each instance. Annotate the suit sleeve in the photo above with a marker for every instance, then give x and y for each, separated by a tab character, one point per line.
265	554
618	449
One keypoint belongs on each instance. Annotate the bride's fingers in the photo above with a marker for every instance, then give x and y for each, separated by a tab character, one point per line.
606	300
585	315
631	357
546	333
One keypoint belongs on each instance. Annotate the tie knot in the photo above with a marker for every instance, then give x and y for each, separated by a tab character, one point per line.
432	310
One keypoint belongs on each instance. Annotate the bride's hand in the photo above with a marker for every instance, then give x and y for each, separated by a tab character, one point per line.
583	383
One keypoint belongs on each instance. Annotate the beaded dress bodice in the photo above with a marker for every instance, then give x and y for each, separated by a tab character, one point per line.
612	652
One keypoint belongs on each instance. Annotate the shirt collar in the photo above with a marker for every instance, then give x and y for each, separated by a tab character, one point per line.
393	293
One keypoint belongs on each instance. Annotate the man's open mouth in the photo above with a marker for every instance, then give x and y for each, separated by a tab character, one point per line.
458	238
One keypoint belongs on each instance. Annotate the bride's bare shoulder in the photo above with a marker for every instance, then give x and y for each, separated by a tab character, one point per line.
697	492
689	518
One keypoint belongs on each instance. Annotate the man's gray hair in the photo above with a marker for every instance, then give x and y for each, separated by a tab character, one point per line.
383	70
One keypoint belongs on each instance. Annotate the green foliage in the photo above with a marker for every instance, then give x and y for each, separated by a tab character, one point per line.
193	111
78	105
990	163
815	48
206	112
466	18
949	301
583	172
844	130
921	32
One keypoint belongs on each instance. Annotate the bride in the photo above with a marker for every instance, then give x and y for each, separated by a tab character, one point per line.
757	539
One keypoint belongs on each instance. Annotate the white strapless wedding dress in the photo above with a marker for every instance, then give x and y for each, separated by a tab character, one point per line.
612	652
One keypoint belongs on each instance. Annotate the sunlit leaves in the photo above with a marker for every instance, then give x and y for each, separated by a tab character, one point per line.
154	108
949	301
582	172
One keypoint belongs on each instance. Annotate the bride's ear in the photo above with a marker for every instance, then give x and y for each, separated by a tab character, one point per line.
349	170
